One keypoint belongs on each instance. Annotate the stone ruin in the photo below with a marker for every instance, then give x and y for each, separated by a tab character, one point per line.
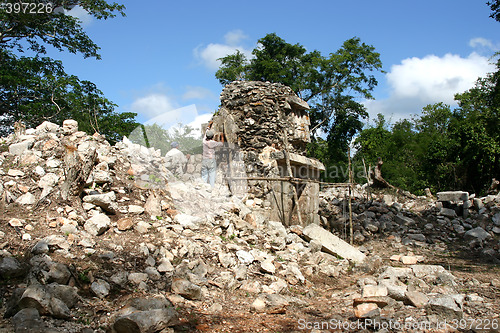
262	123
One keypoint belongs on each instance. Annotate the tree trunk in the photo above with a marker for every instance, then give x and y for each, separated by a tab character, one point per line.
77	170
378	180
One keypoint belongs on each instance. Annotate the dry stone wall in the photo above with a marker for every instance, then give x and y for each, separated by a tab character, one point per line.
258	119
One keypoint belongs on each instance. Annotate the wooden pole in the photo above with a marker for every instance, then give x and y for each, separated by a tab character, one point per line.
289	171
369	193
350	189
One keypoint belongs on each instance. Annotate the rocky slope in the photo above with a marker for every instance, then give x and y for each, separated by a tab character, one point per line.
140	251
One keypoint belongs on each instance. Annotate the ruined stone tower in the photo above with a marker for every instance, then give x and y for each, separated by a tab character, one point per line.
259	119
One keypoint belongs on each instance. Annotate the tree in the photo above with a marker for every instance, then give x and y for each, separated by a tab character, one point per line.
34	89
495	8
232	68
53	27
331	85
160	138
477	130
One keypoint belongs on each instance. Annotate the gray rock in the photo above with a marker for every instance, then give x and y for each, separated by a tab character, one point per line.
119	278
448	212
421	271
188	221
445	306
101	288
478	203
137	278
56	242
186	289
152	273
417	237
47	127
371	226
276	229
65	293
452	196
58	273
10	267
145	321
36	296
477	233
404	220
48	180
165	266
70	126
395	289
40	248
28	320
142	227
333	244
226	259
496	219
106	201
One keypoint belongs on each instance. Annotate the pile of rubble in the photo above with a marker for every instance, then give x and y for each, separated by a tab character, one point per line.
454	216
144	252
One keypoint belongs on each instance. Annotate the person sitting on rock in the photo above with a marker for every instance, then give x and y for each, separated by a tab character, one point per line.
175	160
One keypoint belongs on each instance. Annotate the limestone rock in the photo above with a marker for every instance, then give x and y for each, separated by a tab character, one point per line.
106	201
97	224
477	233
186	289
333	244
101	288
445	306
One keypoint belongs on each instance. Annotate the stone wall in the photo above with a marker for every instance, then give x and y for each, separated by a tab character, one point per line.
255	117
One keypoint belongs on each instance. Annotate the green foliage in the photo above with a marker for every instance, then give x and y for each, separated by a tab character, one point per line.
160	138
35	89
442	149
232	68
63	32
332	85
495	9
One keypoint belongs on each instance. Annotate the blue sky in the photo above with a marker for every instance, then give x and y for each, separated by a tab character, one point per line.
161	58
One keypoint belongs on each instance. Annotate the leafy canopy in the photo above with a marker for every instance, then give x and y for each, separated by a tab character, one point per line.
34	89
332	85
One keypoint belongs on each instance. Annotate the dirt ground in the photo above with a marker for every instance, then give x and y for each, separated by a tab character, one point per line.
324	299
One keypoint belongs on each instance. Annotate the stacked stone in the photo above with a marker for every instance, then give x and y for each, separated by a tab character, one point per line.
416	222
254	116
255	107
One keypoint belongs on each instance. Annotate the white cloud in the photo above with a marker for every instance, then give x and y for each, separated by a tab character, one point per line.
80	14
198	93
417	82
481	42
173	117
209	54
153	105
198	121
234	37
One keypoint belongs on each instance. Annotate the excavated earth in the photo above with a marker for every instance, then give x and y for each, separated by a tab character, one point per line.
221	266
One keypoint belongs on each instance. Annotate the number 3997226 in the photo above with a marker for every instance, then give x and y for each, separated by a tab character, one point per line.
26	7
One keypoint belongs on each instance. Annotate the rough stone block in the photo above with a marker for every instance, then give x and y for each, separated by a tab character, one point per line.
453	196
333	244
